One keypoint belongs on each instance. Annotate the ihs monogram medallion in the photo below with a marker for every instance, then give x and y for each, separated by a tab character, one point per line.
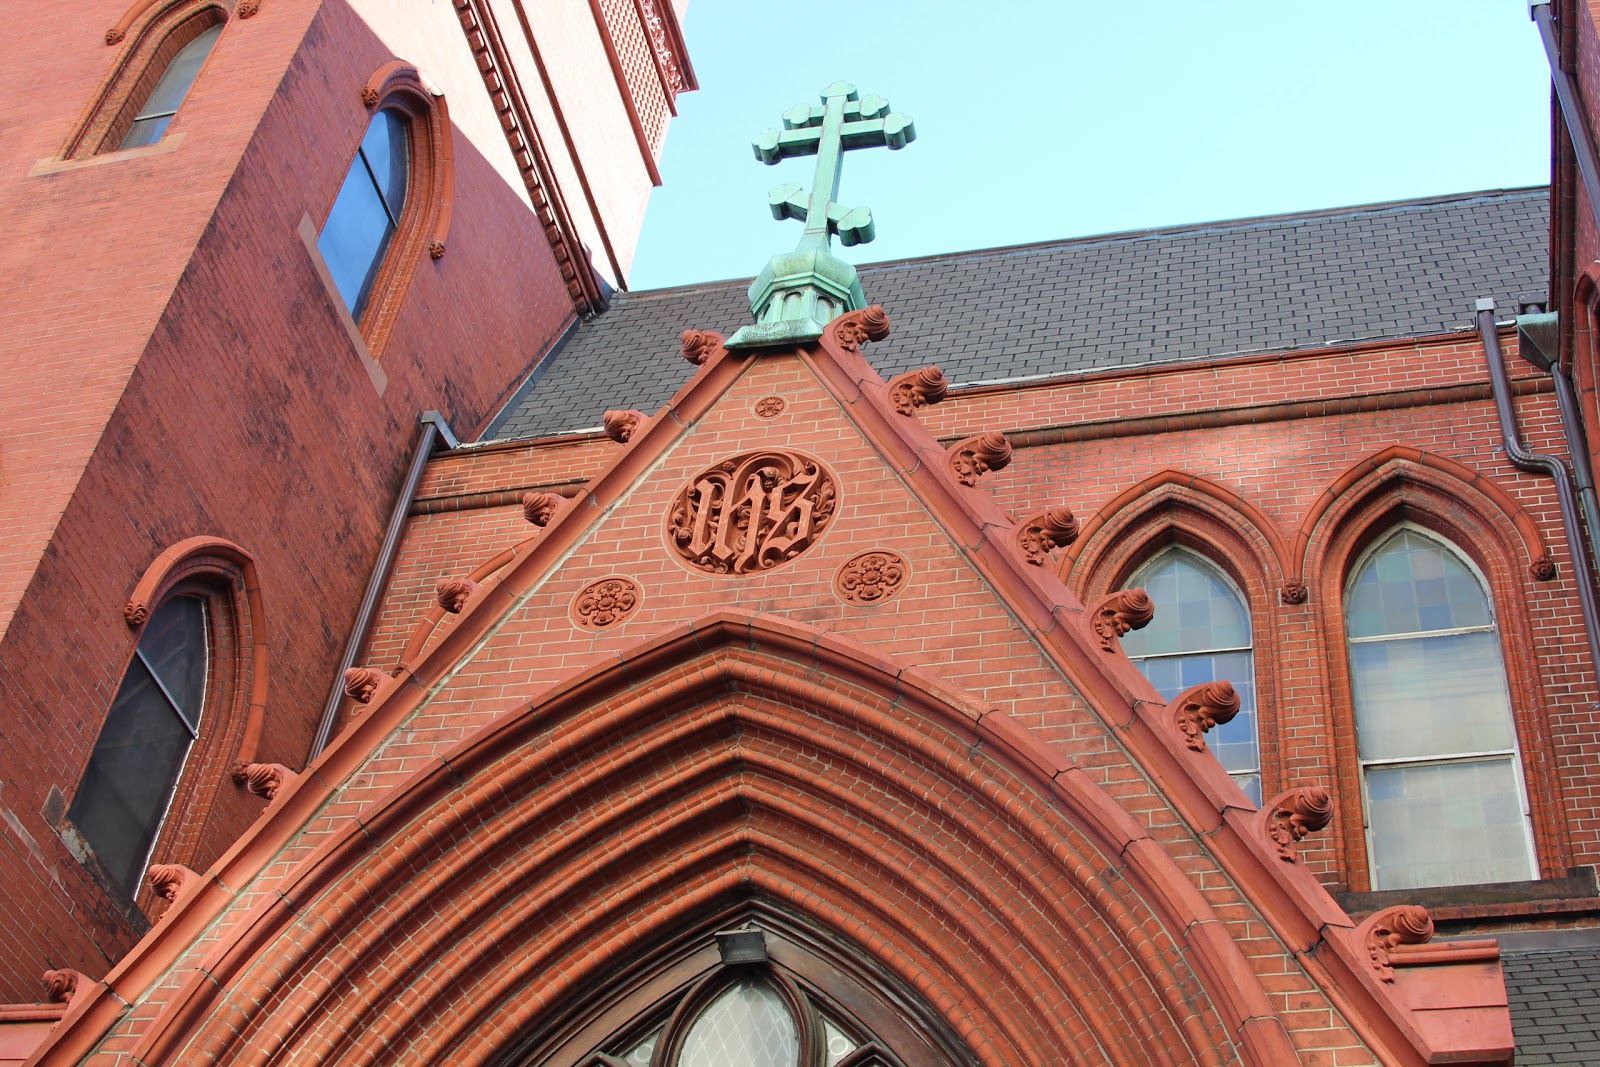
753	512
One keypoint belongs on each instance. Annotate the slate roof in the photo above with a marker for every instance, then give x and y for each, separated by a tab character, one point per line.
1178	294
1555	1006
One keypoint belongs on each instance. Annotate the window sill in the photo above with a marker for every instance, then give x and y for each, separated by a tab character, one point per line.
169	143
308	236
1576	894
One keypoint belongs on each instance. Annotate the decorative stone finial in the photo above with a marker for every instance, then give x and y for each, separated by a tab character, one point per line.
168	879
1039	534
361	682
622	425
1116	613
1201	707
451	594
1407	924
265	779
918	388
538	508
1293	815
855	328
699	345
978	455
59	985
798	293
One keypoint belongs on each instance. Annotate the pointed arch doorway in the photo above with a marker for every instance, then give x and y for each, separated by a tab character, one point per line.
750	985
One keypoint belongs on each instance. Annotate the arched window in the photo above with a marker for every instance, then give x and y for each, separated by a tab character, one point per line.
1201	633
366	214
1440	771
152	115
128	784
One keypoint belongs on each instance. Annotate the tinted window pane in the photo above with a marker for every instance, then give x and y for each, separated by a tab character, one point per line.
174	646
388	156
1430	696
124	792
1447	824
1195	609
171	89
747	1026
1413	584
354	238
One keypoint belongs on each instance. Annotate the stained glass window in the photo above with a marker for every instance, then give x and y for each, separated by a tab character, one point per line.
1201	633
1445	804
134	767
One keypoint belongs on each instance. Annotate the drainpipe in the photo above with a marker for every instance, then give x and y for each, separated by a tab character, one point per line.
1537	463
1571	109
1537	339
434	428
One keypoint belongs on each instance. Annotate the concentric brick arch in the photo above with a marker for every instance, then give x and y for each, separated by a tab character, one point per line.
736	759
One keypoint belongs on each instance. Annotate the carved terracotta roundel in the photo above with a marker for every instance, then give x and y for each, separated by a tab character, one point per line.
753	512
770	407
871	577
606	602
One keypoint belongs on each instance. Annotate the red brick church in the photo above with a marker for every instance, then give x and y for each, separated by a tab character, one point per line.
1164	647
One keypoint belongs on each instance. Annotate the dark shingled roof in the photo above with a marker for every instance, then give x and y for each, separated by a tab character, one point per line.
1555	1006
1185	293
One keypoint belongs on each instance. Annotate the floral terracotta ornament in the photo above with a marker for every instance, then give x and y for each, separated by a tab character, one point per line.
976	456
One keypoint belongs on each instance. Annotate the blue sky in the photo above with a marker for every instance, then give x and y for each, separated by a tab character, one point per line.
1045	120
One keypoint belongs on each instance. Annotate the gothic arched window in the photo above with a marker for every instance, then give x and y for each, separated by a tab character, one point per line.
366	214
1201	633
156	111
1440	772
126	788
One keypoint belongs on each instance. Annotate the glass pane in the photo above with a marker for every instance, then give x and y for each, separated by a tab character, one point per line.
1430	696
639	1055
146	131
747	1026
1251	784
172	88
354	238
174	646
386	152
1414	584
1447	824
135	763
839	1043
1195	609
1233	742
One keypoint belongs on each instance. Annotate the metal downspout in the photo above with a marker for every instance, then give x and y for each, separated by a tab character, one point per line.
1571	110
1578	449
1537	463
434	427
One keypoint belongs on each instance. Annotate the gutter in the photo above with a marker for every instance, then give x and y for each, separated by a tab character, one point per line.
1539	463
434	428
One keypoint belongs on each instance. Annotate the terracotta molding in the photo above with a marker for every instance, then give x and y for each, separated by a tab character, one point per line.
482	33
490	498
243	9
625	91
1403	347
1251	415
486	20
1294	904
1462	514
157	579
1360	474
769	658
159	29
425	217
1232	502
671	56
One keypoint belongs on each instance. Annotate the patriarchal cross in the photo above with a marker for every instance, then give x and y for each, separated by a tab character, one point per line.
800	292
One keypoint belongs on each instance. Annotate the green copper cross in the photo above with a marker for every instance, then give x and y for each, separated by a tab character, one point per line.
798	293
844	121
